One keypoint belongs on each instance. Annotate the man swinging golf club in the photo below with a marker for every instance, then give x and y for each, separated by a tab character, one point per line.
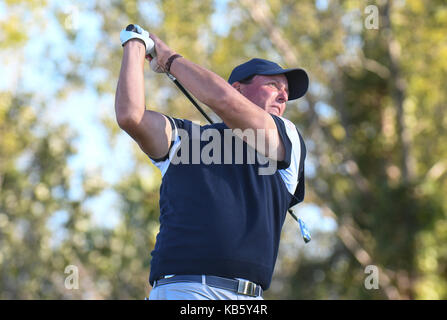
220	221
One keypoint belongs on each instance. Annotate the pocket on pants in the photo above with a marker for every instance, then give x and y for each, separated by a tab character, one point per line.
181	291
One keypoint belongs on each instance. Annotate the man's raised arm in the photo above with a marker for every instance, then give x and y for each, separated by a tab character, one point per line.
233	108
150	129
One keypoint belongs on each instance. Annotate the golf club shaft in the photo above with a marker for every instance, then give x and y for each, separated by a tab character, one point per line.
293	215
186	93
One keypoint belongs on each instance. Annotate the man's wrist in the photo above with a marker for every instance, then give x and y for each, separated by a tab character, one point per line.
163	57
171	59
135	43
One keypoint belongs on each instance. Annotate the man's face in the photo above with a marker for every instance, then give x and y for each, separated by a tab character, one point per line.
268	92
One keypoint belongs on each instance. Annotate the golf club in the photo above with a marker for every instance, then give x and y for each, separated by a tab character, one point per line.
304	231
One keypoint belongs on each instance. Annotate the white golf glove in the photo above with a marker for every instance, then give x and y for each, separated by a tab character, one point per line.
155	66
134	31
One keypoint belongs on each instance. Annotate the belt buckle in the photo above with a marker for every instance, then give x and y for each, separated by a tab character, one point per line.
247	288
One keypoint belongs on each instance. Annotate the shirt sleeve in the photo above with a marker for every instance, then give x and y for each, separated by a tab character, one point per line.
289	168
163	163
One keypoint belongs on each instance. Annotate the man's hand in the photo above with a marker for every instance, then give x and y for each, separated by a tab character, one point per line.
162	54
134	31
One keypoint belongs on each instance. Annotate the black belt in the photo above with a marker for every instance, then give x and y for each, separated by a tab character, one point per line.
244	287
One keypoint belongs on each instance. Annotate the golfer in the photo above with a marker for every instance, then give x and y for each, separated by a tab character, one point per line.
220	220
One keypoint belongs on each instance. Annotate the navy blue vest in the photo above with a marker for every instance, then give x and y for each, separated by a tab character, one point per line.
222	219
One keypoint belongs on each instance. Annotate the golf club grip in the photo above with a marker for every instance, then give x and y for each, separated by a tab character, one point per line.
186	93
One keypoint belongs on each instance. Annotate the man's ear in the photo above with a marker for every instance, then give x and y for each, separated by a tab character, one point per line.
237	86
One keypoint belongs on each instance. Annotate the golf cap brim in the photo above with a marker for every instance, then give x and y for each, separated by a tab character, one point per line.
297	78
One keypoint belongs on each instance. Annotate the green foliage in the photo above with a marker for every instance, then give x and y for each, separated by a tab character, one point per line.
33	183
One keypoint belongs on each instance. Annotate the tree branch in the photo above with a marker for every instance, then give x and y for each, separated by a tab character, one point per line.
398	86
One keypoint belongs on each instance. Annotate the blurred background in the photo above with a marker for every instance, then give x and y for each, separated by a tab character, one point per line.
76	192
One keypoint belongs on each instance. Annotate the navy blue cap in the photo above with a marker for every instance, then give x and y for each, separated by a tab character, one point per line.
297	78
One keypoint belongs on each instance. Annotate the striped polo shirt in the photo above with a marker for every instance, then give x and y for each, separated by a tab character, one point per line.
219	213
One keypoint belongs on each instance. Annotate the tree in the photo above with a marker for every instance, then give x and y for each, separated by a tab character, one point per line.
366	149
